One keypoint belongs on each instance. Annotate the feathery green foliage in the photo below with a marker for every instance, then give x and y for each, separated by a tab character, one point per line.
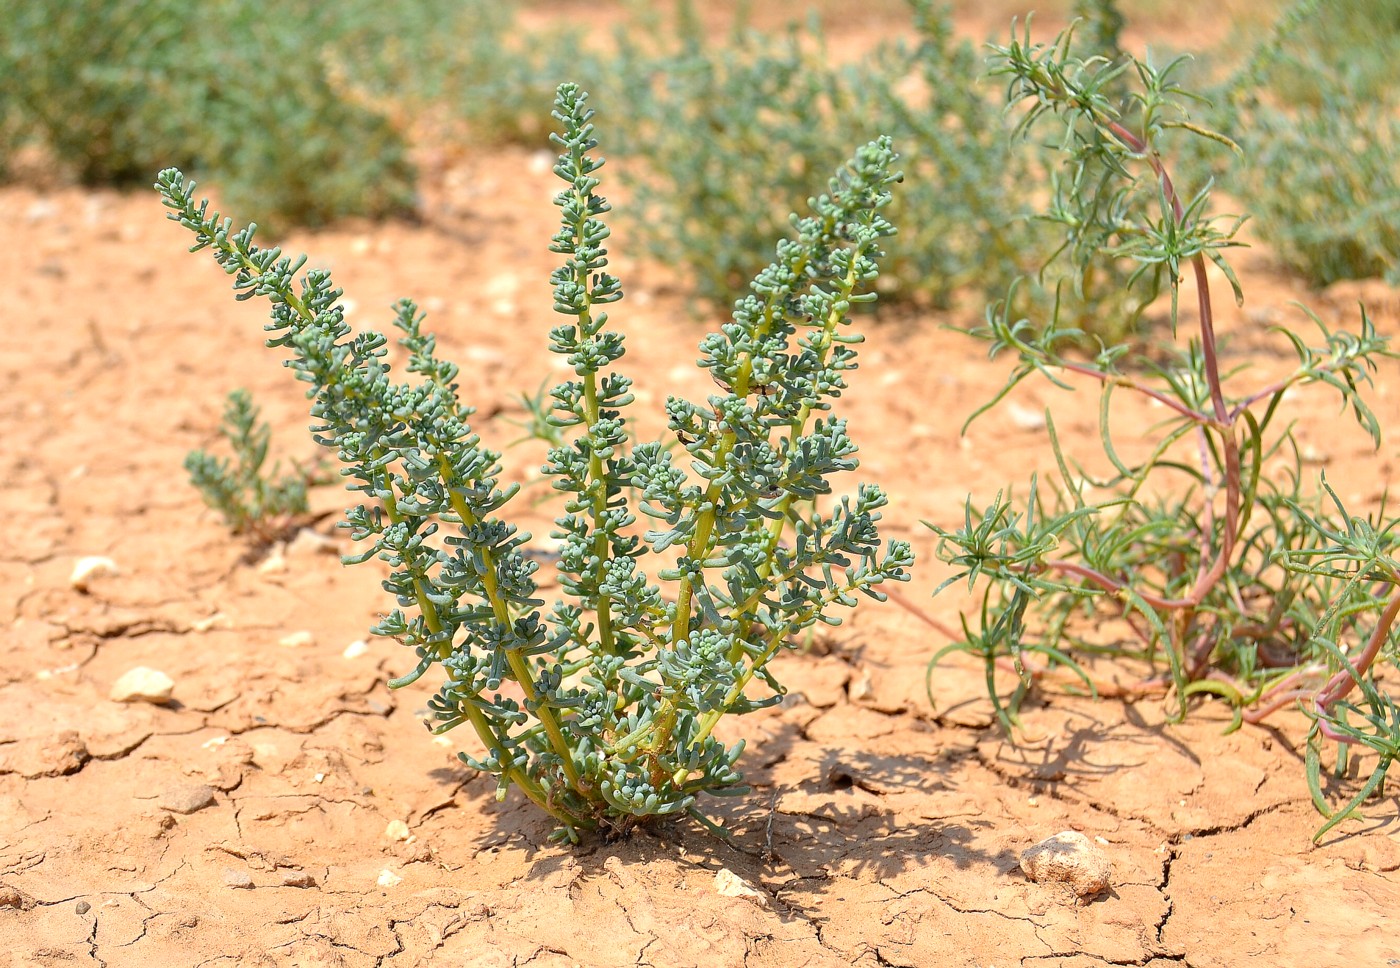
615	694
1188	552
248	501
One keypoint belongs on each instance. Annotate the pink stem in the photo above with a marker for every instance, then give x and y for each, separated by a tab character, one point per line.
1343	681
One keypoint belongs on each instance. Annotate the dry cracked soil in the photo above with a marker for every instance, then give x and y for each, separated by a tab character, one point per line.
287	809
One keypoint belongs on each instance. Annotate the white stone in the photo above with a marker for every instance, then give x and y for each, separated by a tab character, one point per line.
308	542
388	878
276	561
730	884
1024	418
93	566
297	640
143	685
1070	857
356	649
862	688
205	624
397	830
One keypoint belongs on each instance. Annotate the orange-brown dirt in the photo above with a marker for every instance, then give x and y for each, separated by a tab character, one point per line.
882	829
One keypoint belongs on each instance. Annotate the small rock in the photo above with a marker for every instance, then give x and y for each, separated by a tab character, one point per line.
276	561
397	830
55	755
388	878
297	640
298	879
730	884
308	542
10	897
187	799
205	624
143	685
86	569
1024	418
862	688
238	880
1069	857
83	907
356	649
40	209
1310	454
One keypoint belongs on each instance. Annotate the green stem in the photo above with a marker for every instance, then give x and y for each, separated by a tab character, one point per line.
798	426
698	548
518	666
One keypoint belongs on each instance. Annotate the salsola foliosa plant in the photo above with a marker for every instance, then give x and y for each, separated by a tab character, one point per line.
1178	563
614	696
250	502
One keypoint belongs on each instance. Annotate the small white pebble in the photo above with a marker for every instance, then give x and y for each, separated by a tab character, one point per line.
238	880
297	640
861	689
1310	454
1032	801
730	884
308	542
485	354
388	878
320	777
44	674
205	624
1068	857
143	685
275	562
397	830
356	649
215	743
86	569
1024	418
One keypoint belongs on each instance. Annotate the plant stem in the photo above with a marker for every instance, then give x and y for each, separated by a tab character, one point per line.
518	666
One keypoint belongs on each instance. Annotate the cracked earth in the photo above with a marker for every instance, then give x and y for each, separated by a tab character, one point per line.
288	809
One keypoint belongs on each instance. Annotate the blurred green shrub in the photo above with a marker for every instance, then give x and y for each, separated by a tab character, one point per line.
117	89
469	63
730	129
1319	100
1325	183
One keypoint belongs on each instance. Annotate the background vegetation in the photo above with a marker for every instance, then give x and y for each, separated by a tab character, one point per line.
731	128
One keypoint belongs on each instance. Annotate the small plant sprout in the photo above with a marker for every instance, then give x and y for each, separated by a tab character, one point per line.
1199	553
249	502
603	710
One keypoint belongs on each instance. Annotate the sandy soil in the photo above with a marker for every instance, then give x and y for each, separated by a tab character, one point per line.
248	823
